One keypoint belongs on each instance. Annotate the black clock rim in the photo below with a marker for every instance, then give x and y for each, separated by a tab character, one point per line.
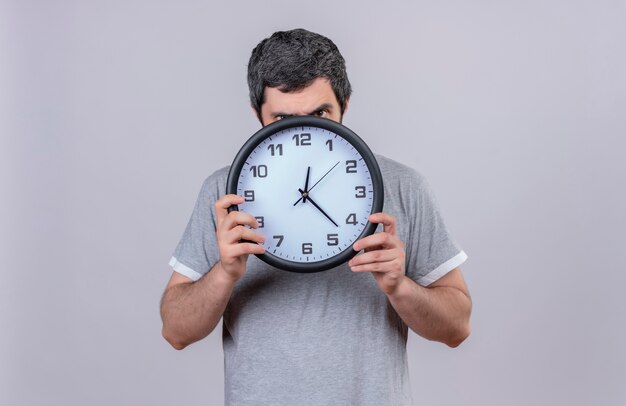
339	129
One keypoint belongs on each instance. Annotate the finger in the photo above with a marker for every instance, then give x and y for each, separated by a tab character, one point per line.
244	248
378	240
238	218
239	233
394	265
387	220
223	203
375	256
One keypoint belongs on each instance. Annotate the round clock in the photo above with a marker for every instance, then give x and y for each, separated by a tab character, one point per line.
311	183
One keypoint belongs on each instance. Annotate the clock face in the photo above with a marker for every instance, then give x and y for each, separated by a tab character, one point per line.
311	183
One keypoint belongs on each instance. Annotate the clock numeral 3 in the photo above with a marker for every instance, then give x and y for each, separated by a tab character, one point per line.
351	219
261	221
360	192
333	239
307	248
280	239
248	195
351	166
303	139
260	171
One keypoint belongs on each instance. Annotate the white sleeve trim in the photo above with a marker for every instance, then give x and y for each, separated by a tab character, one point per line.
443	269
184	269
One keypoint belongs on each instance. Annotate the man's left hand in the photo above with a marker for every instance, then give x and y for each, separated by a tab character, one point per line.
384	254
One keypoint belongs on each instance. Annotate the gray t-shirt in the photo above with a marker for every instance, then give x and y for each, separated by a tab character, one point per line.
328	338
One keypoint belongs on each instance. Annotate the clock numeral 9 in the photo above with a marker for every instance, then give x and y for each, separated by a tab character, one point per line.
275	148
307	248
248	195
351	166
360	192
280	239
303	139
261	221
260	171
333	239
351	219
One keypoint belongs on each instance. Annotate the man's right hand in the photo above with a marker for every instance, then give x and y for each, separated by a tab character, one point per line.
231	230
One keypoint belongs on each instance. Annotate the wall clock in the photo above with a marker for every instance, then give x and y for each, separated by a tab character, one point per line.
311	183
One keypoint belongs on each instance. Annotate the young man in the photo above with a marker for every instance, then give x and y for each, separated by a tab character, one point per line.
336	337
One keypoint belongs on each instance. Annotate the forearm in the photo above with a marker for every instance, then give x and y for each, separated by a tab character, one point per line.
190	311
439	313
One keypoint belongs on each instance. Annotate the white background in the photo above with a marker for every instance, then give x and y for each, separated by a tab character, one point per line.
113	112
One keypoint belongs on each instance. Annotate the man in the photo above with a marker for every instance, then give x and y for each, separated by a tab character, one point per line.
330	338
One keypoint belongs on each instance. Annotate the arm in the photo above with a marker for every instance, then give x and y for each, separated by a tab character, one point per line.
438	312
191	310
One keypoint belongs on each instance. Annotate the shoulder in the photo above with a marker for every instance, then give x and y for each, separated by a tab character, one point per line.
396	174
215	184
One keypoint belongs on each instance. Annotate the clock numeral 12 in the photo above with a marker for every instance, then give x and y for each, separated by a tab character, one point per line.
303	139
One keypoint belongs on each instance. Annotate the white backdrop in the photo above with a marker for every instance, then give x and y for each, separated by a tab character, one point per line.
113	112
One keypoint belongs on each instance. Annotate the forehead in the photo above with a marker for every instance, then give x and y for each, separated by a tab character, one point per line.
319	92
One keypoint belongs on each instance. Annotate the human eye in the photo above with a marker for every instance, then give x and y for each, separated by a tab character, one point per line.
279	117
321	113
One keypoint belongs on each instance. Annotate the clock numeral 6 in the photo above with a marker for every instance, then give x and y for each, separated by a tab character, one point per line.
248	195
351	166
360	192
303	139
307	248
260	171
351	219
261	221
333	239
280	239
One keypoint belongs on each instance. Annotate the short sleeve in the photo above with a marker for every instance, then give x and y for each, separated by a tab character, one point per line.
433	252
197	251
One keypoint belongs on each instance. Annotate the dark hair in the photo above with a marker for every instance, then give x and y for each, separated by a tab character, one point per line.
291	60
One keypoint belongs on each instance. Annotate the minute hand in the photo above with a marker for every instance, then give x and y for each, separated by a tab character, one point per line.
320	209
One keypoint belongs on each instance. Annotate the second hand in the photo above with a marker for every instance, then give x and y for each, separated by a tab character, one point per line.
311	188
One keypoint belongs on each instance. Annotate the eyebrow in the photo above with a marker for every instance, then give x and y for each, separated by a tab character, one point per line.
324	106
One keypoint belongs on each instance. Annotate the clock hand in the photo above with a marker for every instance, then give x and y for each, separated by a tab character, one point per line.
306	188
306	184
318	207
322	177
303	197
